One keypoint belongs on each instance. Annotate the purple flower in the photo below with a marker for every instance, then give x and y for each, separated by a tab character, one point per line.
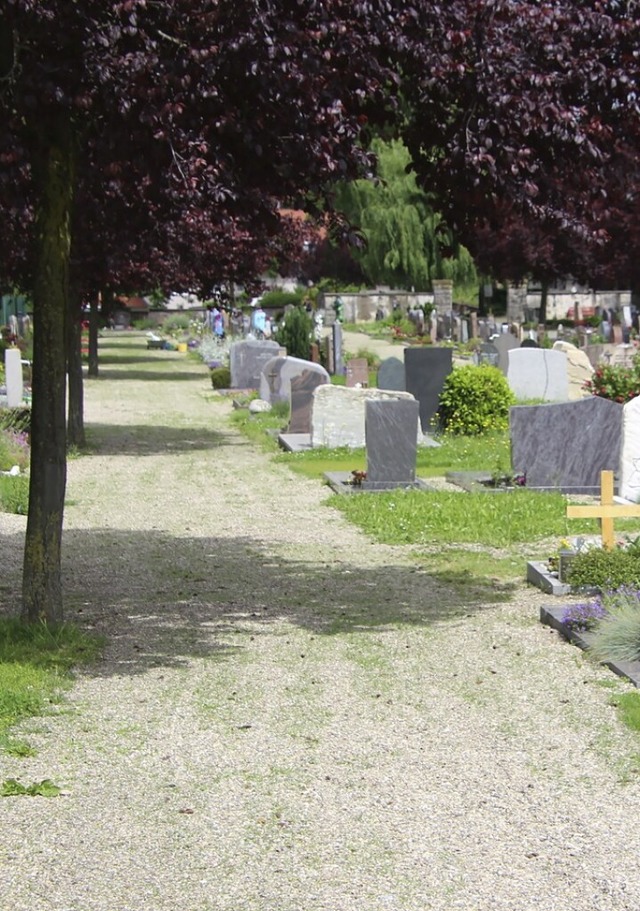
582	617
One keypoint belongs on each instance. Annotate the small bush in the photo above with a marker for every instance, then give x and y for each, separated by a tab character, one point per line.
14	494
176	324
475	400
278	300
604	569
295	333
221	378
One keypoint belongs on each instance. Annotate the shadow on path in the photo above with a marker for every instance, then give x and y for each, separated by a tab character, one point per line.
203	591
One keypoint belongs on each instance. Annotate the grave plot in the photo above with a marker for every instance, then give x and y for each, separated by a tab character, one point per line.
391	446
556	581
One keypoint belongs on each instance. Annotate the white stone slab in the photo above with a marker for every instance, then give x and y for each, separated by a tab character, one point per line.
539	373
13	377
630	458
579	369
338	415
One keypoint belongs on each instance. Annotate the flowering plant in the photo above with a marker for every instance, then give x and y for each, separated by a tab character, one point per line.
619	384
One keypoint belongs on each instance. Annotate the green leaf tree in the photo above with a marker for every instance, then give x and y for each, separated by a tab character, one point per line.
406	246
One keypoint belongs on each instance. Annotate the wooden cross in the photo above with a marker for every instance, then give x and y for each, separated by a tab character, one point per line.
606	511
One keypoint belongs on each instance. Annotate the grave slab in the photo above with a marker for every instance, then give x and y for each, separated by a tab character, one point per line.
13	377
539	373
390	435
357	372
246	361
565	446
278	372
391	375
302	388
338	415
426	370
550	615
630	459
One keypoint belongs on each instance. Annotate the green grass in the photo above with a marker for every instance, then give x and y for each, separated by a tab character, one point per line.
628	705
14	494
493	520
35	667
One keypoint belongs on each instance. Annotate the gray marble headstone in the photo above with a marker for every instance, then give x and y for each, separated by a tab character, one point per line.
357	372
565	446
391	375
302	388
337	417
426	370
246	360
539	373
390	432
338	363
278	372
13	377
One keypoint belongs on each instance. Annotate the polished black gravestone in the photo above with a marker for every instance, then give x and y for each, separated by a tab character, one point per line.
391	443
391	375
426	370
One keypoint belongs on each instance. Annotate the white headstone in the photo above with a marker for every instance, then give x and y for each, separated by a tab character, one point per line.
539	373
579	369
13	375
630	458
338	417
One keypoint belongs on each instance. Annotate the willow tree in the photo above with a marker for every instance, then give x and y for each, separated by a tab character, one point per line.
407	245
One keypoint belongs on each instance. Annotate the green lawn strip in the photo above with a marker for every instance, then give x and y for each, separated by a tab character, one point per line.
494	520
628	706
472	563
35	668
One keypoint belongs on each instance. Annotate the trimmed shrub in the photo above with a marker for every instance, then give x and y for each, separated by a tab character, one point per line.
278	300
475	400
604	569
221	378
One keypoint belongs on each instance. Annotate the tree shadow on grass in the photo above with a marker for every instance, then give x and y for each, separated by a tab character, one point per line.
161	600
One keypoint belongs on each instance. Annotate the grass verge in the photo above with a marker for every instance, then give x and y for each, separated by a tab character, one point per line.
36	661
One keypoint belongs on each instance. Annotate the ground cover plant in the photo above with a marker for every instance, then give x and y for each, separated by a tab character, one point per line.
36	661
14	494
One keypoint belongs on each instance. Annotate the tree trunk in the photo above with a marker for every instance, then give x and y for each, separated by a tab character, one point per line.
75	411
54	178
93	336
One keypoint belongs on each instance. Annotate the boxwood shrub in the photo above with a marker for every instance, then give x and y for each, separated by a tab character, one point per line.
474	400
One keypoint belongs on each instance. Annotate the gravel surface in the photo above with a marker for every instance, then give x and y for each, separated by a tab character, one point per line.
289	717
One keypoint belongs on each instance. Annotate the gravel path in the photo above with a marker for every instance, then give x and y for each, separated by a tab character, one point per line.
289	717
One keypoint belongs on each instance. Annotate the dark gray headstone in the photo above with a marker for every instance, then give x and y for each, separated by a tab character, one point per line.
246	360
390	434
565	446
358	372
503	344
338	363
302	387
426	370
391	375
487	353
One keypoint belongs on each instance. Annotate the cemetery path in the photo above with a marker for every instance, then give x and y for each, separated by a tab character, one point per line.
289	717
